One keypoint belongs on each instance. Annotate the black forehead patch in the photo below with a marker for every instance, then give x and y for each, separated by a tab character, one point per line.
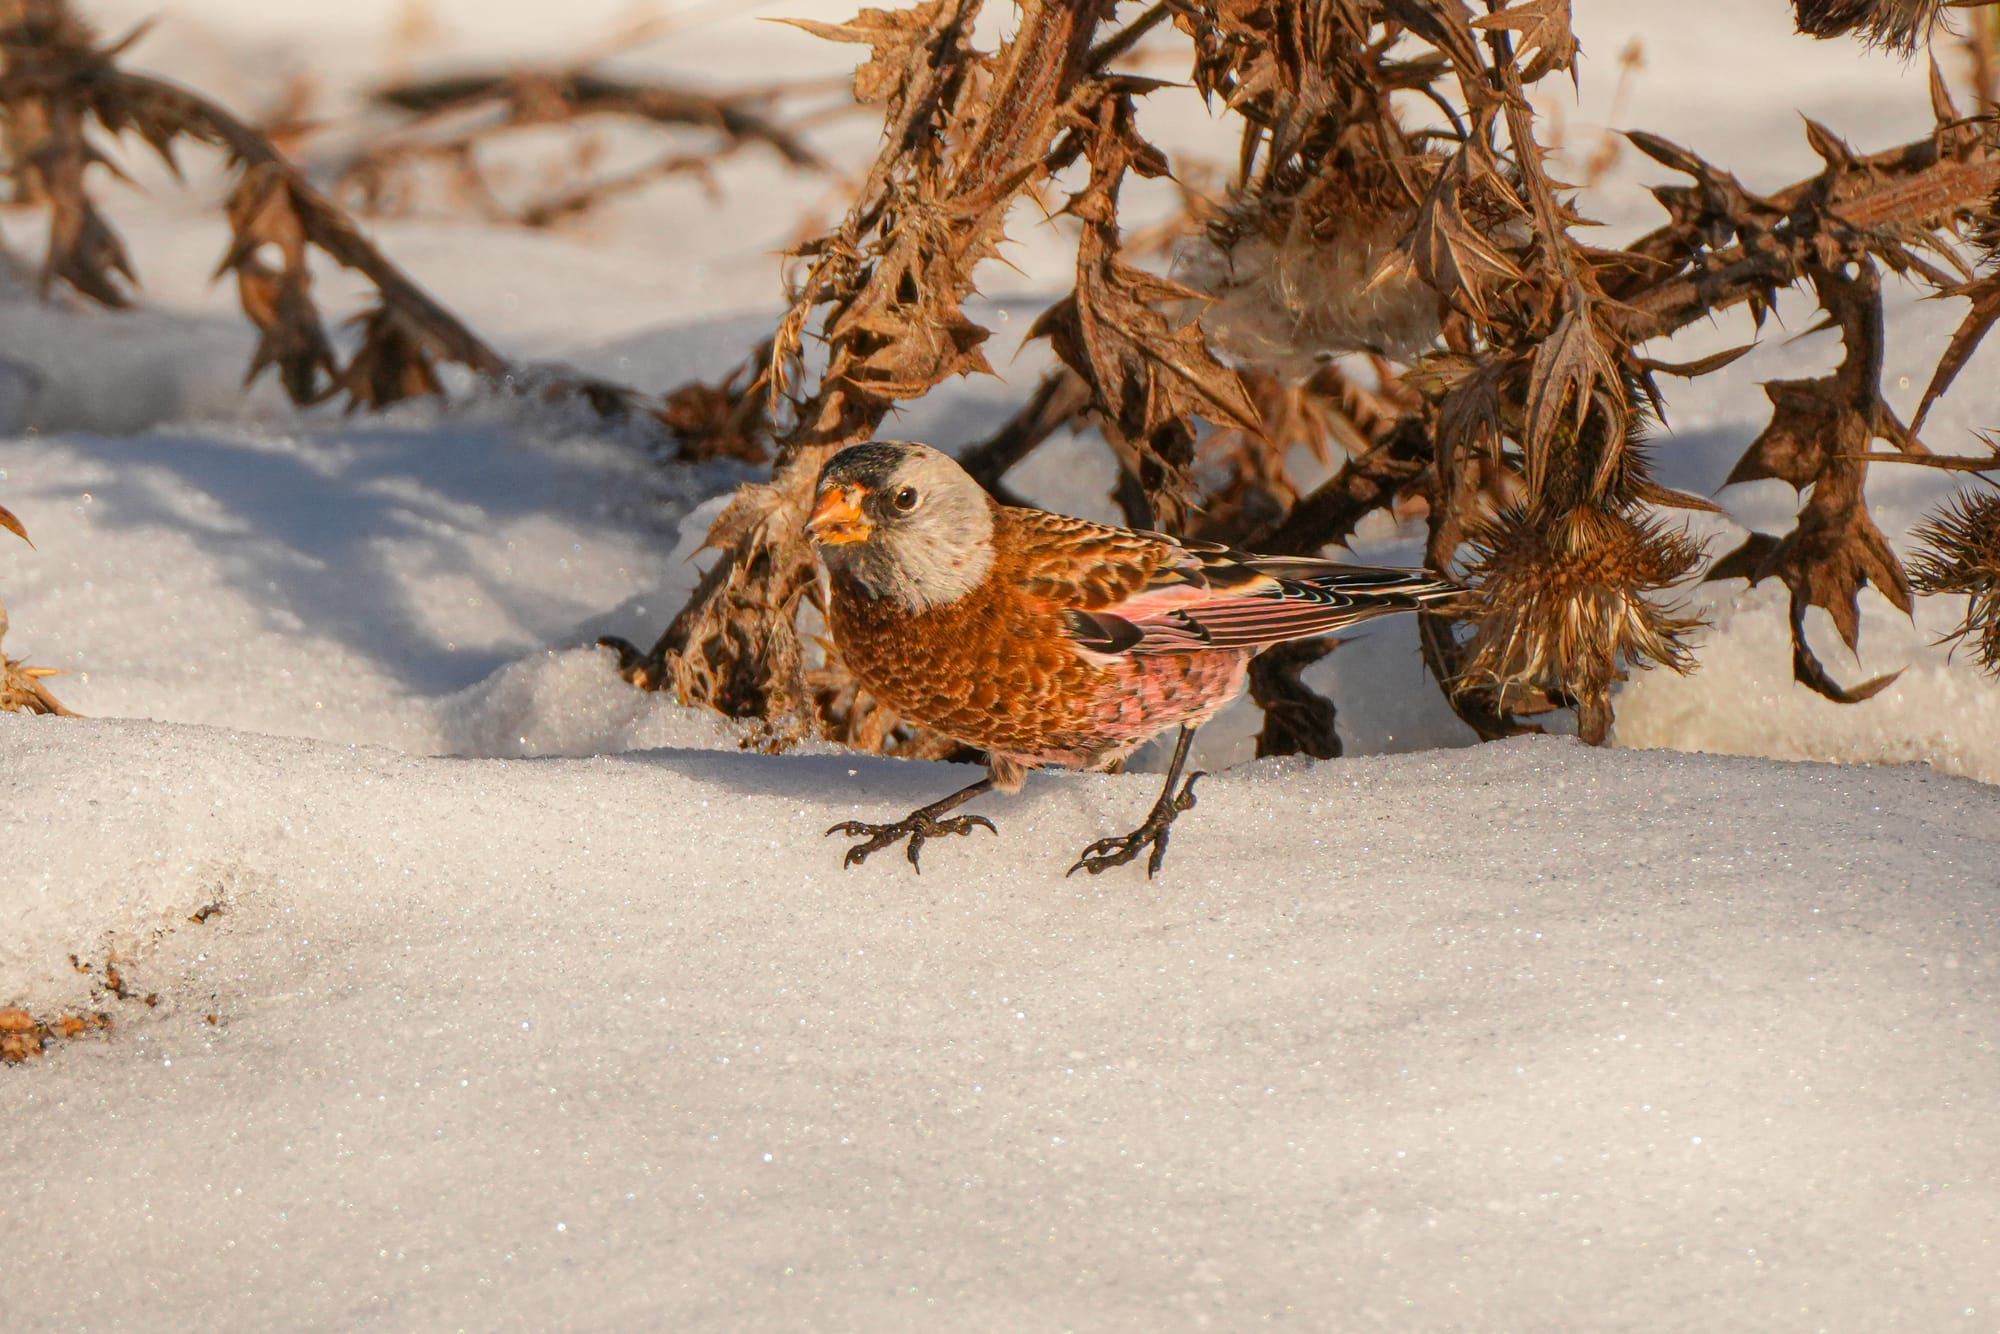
870	465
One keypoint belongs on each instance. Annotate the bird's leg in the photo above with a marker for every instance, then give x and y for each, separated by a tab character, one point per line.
917	826
1106	853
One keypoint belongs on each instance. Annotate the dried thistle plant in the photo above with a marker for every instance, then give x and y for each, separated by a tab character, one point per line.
1392	278
1567	607
59	80
1900	25
728	419
1959	555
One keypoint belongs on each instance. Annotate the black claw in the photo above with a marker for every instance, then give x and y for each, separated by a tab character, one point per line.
1106	853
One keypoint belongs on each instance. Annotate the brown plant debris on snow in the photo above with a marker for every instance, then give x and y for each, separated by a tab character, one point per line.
22	688
24	1037
111	981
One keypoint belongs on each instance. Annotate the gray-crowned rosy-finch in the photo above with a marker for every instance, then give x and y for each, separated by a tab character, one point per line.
1047	640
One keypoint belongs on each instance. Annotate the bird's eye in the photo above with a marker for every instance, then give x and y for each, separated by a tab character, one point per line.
907	498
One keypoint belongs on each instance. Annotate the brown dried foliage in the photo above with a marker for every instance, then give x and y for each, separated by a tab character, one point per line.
60	80
1959	554
728	419
452	120
22	688
1150	378
966	132
1818	436
1506	392
1566	610
1900	25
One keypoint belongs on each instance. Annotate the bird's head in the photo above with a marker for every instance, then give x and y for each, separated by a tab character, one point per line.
901	521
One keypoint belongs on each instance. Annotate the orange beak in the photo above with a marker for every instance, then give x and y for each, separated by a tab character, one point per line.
838	518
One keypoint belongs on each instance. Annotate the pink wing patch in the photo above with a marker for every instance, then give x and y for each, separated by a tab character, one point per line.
1240	604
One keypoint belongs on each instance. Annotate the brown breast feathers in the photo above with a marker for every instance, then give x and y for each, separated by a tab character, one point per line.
1001	668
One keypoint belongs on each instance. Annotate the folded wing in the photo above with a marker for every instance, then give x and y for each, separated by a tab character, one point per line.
1123	591
1234	601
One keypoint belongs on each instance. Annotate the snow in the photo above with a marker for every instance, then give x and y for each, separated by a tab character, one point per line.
1518	1033
534	1002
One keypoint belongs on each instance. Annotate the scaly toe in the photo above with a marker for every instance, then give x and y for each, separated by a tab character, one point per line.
1185	801
918	829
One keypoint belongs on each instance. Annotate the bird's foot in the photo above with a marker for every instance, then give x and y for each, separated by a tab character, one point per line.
1106	853
917	826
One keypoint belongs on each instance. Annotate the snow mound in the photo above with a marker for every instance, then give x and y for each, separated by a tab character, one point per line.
1513	1036
571	703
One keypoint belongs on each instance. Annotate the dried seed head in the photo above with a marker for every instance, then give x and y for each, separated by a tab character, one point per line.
1897	24
22	691
1564	605
1961	554
1296	282
1985	232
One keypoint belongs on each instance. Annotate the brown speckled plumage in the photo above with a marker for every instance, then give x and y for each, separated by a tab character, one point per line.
999	669
1047	640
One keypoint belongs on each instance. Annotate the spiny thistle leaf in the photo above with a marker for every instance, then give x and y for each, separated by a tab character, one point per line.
13	525
894	38
1805	417
1573	379
1833	552
1543	27
277	300
1984	293
1459	259
1689	370
393	363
